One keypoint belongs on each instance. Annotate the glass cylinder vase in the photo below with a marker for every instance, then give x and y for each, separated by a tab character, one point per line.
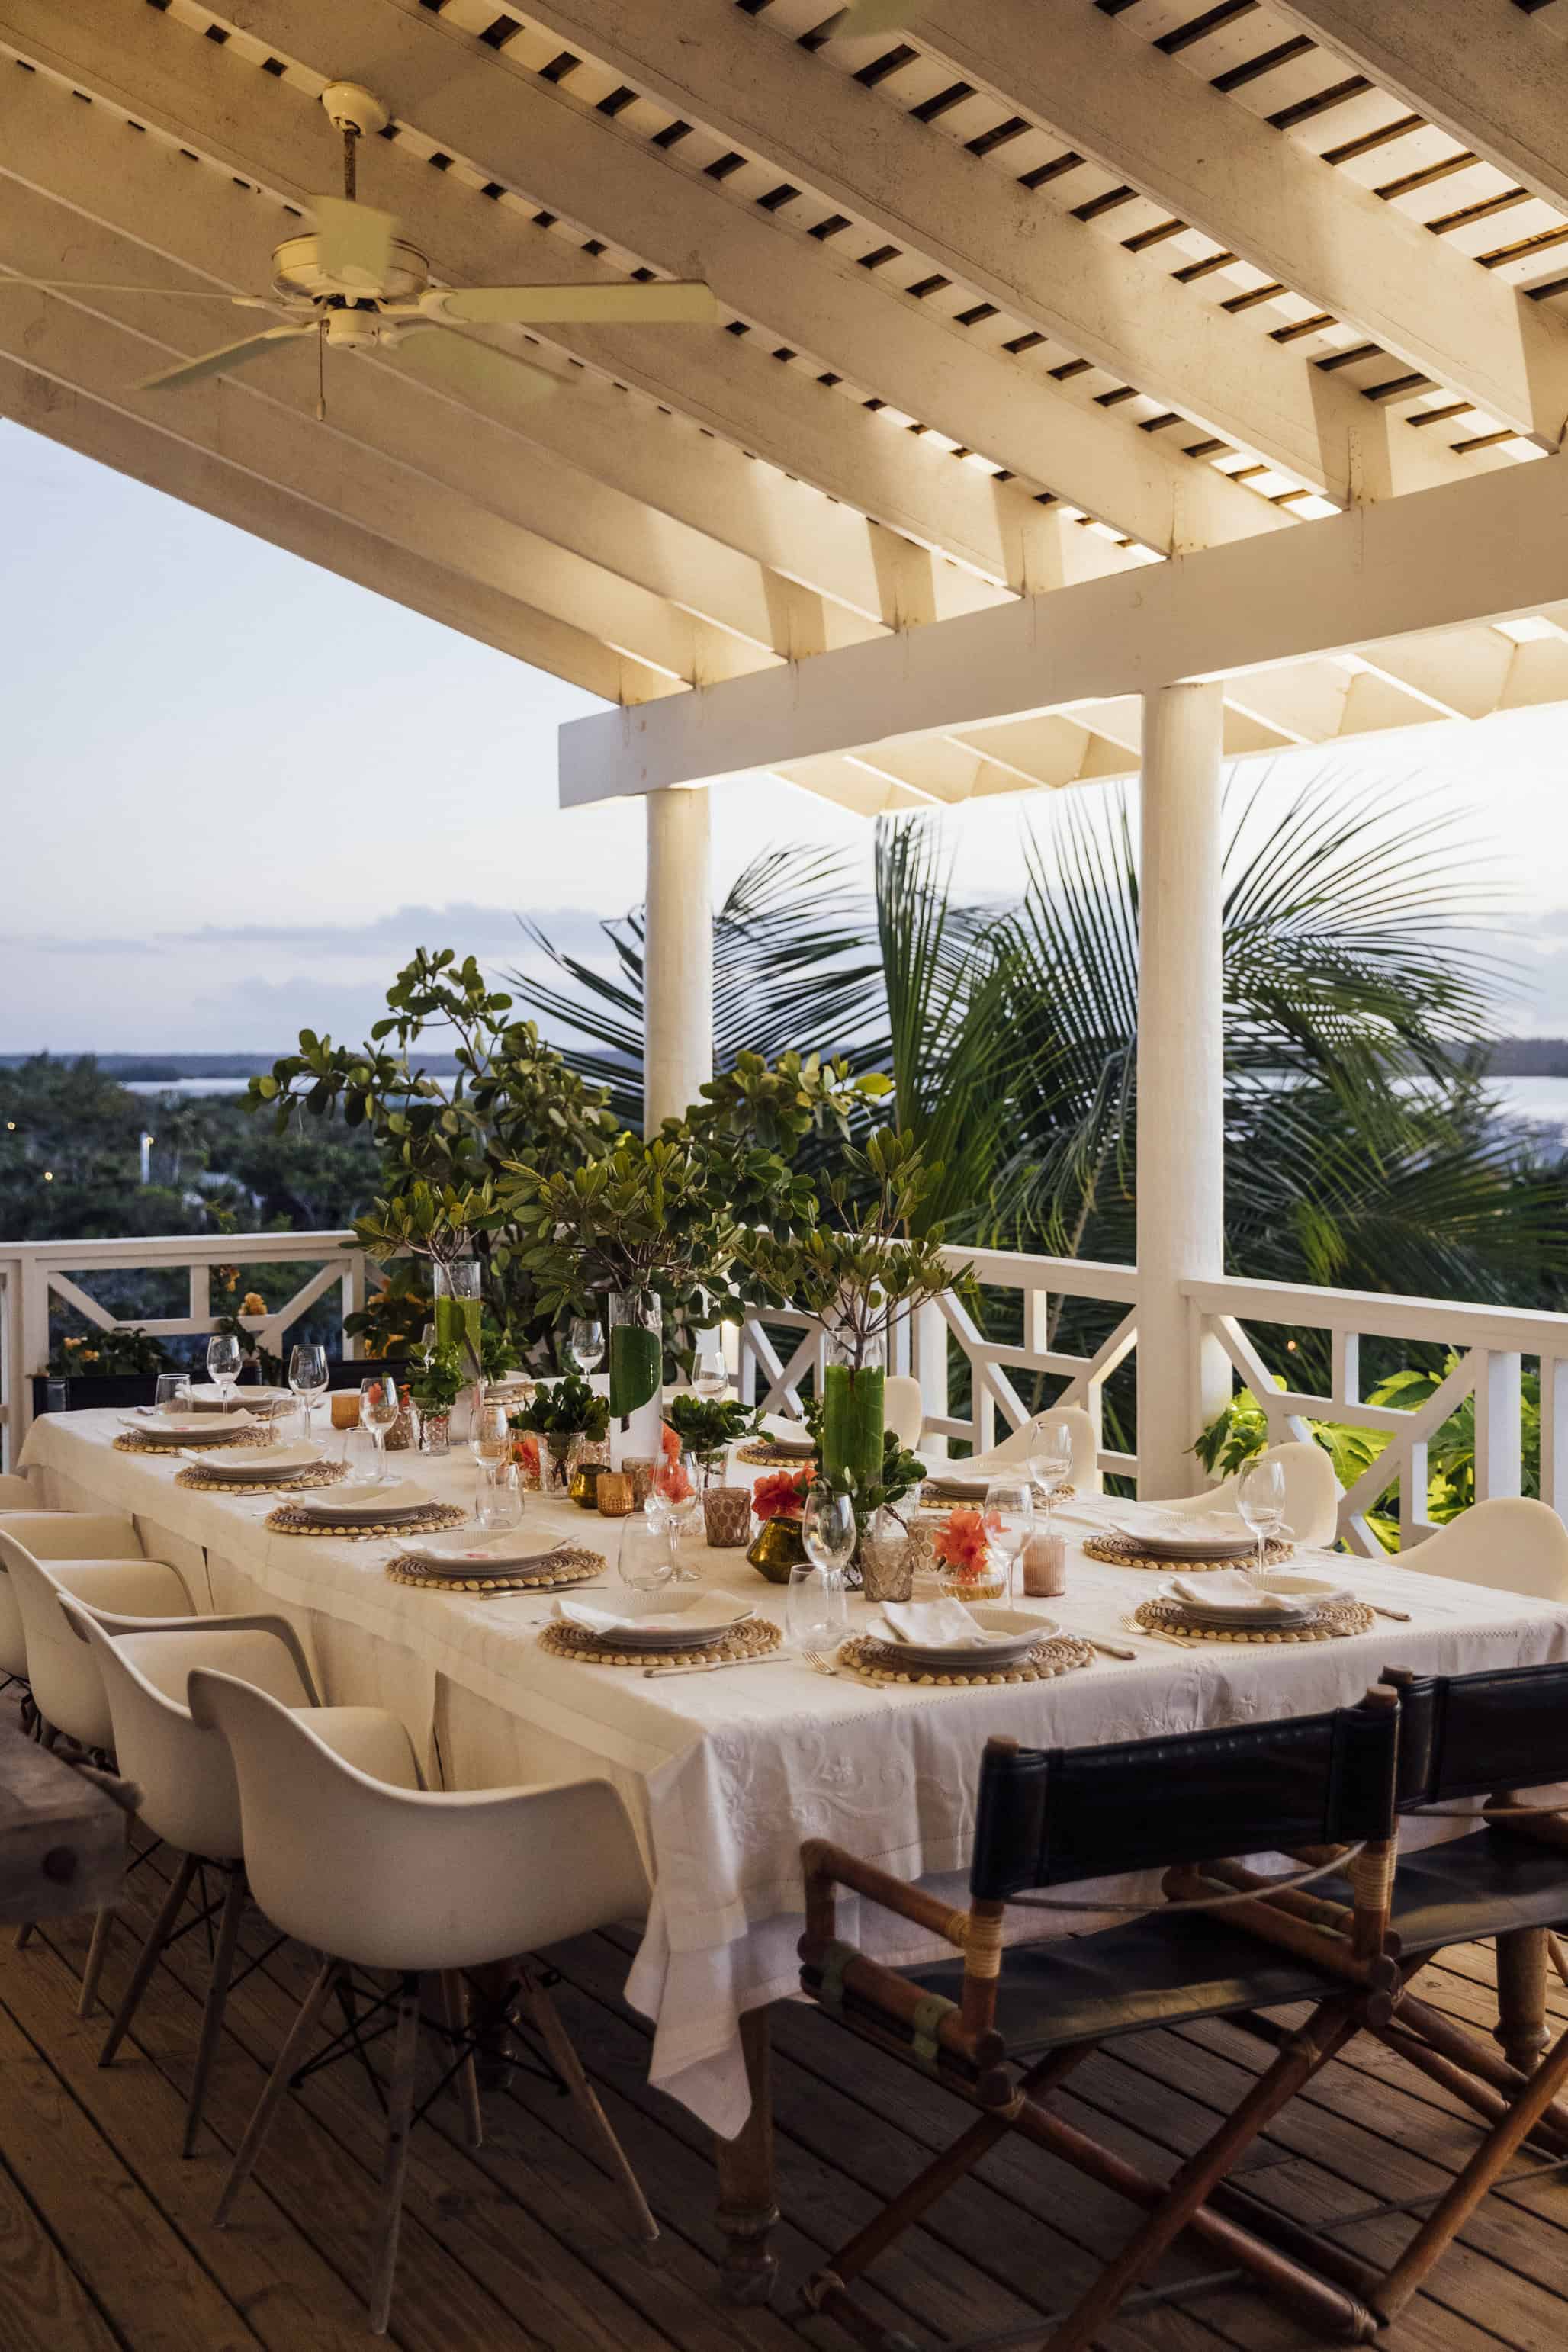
458	1309
852	1395
637	1376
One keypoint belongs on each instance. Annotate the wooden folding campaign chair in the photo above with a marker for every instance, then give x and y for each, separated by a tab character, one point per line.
1001	2029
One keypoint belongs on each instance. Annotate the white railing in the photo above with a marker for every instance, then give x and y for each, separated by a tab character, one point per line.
1492	1346
34	1275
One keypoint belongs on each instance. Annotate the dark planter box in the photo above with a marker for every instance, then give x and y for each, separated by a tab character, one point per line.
124	1389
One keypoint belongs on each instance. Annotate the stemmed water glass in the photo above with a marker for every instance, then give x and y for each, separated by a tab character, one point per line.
586	1344
490	1443
1261	1499
673	1502
223	1361
709	1376
1010	1519
308	1379
1050	1459
378	1409
827	1529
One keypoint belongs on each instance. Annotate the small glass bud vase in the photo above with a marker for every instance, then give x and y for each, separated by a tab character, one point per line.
639	1468
434	1433
888	1558
727	1516
553	1472
987	1582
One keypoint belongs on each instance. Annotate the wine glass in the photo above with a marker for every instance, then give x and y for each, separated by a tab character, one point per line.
1261	1499
673	1503
709	1378
1010	1519
308	1379
827	1529
223	1361
817	1613
378	1410
645	1562
586	1344
1050	1458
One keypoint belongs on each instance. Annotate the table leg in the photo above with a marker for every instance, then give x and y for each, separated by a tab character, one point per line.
747	2207
1521	1959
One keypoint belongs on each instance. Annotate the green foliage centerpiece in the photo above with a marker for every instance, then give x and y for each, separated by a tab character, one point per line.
565	1416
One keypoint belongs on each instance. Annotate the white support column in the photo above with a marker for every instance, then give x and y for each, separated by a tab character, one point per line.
1183	1379
677	951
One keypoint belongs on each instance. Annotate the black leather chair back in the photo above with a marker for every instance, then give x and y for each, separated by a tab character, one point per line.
1051	1815
1466	1734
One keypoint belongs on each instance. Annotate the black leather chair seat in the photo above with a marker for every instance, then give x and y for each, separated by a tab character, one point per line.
1157	1970
1475	1886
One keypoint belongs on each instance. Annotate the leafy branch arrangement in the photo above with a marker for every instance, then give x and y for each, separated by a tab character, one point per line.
707	1425
440	1380
902	1473
563	1408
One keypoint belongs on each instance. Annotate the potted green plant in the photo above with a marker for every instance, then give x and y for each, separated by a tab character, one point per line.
858	1266
566	1417
434	1388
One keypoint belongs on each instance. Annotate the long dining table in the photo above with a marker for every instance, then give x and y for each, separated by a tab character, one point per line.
725	1773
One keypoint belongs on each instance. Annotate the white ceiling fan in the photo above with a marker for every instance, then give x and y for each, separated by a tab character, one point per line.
358	286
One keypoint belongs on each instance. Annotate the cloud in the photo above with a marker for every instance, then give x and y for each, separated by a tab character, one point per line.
471	929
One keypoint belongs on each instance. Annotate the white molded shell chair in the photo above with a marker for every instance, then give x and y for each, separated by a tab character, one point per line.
1311	1494
189	1796
56	1535
68	1688
18	1494
903	1409
422	1884
1024	1441
1512	1543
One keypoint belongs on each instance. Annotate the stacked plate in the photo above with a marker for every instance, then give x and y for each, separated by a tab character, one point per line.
206	1399
1188	1535
507	1552
182	1429
699	1622
252	1466
402	1504
944	1633
1232	1602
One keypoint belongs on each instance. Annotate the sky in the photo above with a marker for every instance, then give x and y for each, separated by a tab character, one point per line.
238	791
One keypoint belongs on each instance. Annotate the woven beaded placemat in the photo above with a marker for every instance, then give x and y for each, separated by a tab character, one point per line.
314	1473
754	1638
1334	1621
1122	1552
879	1662
149	1441
572	1564
289	1520
766	1456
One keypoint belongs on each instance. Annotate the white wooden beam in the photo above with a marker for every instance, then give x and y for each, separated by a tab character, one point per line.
1113	97
271	132
1490	75
583	164
200	478
1436	560
1130	316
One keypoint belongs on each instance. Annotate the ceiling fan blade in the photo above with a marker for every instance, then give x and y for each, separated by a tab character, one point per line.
460	365
863	17
105	286
218	362
660	302
354	242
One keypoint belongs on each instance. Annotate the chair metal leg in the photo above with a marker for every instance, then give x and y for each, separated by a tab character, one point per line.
147	1960
1467	2192
455	2009
399	2122
546	2021
96	1951
288	2059
217	1996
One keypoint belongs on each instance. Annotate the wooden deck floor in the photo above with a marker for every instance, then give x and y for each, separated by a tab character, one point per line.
106	2239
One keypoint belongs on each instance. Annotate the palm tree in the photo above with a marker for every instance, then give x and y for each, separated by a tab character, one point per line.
1361	1148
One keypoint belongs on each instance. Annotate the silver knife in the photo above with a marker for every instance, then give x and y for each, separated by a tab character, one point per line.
718	1666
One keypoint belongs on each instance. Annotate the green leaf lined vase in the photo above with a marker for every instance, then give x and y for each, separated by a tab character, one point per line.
636	1365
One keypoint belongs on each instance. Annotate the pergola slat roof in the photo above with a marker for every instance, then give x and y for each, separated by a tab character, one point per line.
1017	299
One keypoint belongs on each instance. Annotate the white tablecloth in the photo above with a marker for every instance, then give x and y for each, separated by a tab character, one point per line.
725	1774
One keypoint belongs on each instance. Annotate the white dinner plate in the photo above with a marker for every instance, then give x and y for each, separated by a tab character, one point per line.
249	1464
208	1400
397	1501
506	1548
1010	1636
1297	1599
191	1428
1172	1535
680	1623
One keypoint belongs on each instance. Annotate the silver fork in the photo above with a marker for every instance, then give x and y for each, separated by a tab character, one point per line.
819	1659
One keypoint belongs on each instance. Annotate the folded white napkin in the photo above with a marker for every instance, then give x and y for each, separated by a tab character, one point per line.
1186	1526
935	1625
253	1461
500	1550
716	1613
365	1502
1232	1588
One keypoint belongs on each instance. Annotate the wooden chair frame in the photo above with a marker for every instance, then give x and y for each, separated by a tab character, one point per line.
958	2044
